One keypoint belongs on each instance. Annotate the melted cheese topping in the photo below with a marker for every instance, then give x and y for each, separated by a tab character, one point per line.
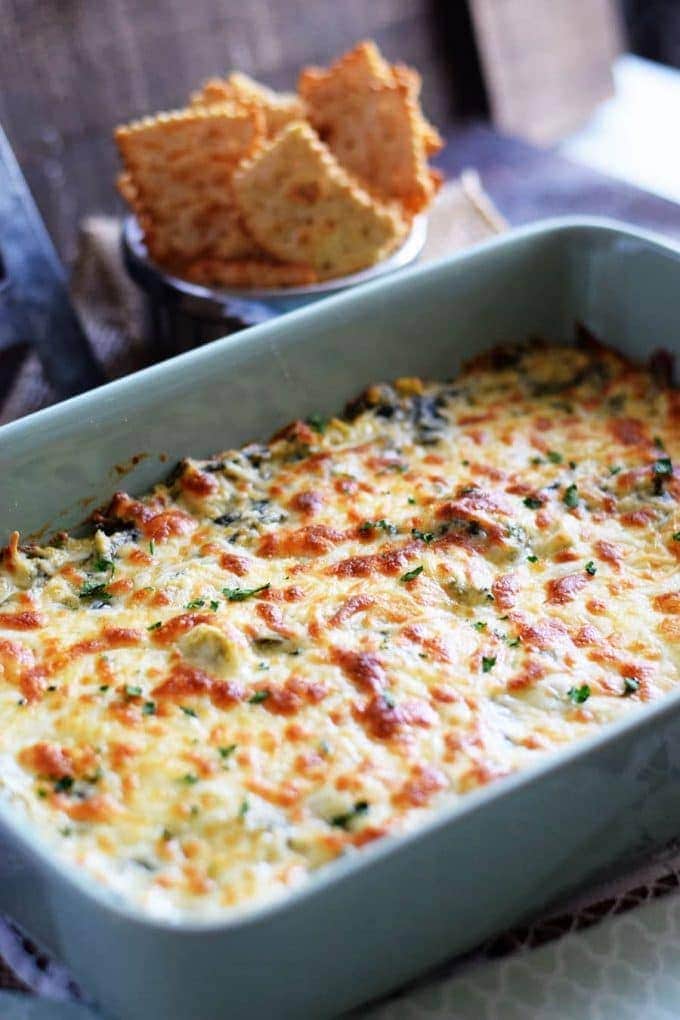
293	649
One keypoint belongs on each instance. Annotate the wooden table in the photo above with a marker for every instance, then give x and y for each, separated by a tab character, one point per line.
528	184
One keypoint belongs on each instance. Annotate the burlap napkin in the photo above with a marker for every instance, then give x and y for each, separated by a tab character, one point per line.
111	310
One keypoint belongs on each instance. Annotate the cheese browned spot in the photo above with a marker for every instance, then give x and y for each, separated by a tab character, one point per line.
291	650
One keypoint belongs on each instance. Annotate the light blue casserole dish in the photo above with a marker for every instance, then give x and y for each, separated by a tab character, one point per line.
376	919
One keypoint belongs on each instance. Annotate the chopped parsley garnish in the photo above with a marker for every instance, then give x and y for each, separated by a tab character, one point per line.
154	626
133	690
554	457
258	697
663	467
411	575
95	591
424	536
103	687
658	442
240	594
383	525
214	605
189	711
345	820
570	497
514	642
532	559
195	604
614	469
152	547
591	568
676	536
532	503
244	808
411	501
479	625
488	663
101	564
149	708
64	784
573	465
226	752
536	461
579	694
317	422
189	779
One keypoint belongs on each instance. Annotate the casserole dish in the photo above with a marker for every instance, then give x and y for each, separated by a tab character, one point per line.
377	918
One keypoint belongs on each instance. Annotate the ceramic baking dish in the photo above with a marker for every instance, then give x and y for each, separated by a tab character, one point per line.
378	918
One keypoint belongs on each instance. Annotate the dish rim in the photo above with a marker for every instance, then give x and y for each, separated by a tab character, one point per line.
408	251
27	836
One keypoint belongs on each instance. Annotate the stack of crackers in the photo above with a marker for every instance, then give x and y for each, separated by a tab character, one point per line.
248	187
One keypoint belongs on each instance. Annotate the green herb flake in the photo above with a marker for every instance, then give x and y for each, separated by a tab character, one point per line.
95	591
411	575
630	685
479	625
676	536
101	565
190	779
570	497
514	642
488	663
244	808
154	626
133	690
663	467
573	465
579	694
659	443
214	605
258	697
424	536
317	422
189	711
226	752
103	687
532	503
241	594
345	820
614	469
64	784
411	501
152	547
149	708
536	461
195	604
554	457
591	568
532	559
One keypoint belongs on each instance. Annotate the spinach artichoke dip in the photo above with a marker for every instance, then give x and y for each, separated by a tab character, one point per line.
291	650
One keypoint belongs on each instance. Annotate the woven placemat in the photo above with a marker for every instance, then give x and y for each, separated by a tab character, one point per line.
111	310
